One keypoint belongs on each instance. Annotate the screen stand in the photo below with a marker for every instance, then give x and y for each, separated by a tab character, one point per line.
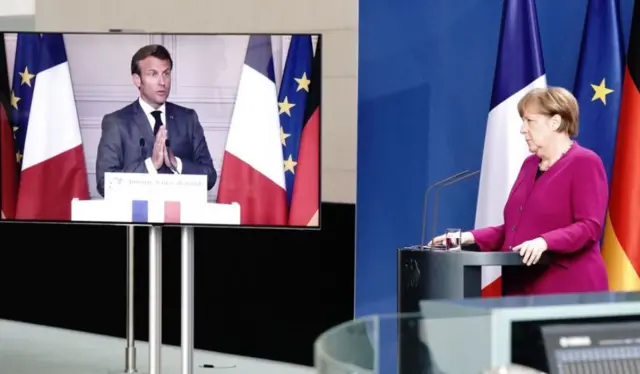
130	364
130	349
186	301
155	299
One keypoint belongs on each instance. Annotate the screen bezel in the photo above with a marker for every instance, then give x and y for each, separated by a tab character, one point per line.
163	224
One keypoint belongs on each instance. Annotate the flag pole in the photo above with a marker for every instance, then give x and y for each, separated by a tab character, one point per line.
130	365
186	301
155	299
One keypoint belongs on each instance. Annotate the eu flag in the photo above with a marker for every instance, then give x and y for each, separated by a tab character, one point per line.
598	85
292	100
25	69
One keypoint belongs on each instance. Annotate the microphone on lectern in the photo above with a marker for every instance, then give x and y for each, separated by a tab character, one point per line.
437	198
425	203
142	150
167	145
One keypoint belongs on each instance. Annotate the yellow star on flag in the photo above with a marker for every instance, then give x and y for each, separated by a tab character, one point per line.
14	100
285	106
26	76
18	157
289	165
601	92
303	83
283	136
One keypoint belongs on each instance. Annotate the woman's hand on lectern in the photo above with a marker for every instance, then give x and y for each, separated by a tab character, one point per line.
531	250
467	239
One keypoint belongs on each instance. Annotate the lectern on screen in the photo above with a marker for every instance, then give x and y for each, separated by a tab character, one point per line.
163	129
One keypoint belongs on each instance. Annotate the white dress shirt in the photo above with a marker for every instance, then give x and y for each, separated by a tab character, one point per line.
152	122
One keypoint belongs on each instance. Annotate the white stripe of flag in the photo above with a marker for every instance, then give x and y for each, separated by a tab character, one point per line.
520	68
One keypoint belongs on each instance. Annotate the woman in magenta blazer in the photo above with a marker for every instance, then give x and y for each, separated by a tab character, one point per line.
557	204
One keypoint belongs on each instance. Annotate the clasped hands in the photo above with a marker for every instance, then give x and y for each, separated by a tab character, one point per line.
161	155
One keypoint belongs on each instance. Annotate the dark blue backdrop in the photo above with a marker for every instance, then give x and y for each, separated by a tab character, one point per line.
425	74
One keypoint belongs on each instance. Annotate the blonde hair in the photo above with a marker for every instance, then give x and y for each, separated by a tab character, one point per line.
553	101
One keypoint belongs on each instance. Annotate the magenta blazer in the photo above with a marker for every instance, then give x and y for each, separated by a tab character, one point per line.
566	206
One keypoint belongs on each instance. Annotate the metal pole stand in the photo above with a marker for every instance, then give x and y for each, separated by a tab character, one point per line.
130	350
186	301
155	302
155	299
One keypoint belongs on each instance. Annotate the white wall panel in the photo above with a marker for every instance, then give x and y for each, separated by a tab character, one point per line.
17	7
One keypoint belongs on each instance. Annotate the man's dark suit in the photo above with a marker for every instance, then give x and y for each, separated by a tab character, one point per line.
121	150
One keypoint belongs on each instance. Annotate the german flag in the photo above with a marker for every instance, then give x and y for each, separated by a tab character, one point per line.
305	200
621	245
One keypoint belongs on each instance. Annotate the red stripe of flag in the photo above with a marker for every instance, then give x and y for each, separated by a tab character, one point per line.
171	212
305	199
493	289
8	171
8	166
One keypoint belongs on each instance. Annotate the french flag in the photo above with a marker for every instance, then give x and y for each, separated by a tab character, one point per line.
252	169
519	69
53	164
142	211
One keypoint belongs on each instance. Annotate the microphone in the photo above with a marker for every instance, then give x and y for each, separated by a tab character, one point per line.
426	200
142	150
167	144
437	197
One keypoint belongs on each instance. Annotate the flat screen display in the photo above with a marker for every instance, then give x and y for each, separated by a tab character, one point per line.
605	348
165	129
566	345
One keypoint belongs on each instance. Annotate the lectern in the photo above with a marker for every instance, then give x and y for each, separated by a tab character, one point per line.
440	274
429	274
153	200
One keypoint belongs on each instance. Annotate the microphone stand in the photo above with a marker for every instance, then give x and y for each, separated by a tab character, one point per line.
167	144
437	198
426	201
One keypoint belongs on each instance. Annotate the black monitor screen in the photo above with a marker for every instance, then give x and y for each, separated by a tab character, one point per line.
603	348
530	341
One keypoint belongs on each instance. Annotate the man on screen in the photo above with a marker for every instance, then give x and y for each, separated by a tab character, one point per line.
152	135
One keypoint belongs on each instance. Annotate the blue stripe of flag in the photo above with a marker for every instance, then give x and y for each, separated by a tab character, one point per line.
294	89
520	59
140	211
598	86
53	51
25	69
260	55
35	53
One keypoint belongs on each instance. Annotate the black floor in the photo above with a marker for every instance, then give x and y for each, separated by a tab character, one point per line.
260	293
